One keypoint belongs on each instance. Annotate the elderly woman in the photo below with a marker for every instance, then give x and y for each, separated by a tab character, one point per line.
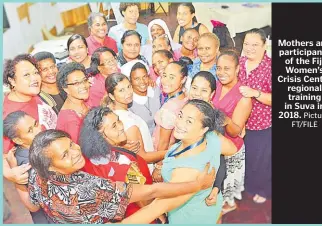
78	51
104	63
22	76
146	100
256	77
97	26
21	128
237	109
73	81
187	19
190	39
131	44
56	163
131	12
102	128
157	27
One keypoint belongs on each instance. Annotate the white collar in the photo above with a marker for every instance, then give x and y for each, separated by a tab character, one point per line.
143	99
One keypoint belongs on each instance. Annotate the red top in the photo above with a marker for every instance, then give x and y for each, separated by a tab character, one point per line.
228	104
119	172
36	108
93	44
260	79
96	91
70	122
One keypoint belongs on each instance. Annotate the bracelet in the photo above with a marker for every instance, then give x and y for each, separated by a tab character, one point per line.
259	94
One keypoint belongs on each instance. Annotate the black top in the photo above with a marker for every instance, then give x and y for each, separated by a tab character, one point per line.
182	31
54	101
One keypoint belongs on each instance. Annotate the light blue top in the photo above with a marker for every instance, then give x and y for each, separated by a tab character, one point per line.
116	32
195	210
195	68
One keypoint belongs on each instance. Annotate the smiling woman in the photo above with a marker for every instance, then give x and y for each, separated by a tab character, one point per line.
72	80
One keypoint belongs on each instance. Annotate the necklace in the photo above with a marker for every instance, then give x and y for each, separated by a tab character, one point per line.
148	107
172	154
167	98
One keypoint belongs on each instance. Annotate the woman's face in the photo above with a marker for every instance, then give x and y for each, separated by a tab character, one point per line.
207	50
131	14
123	92
113	130
140	80
159	63
160	44
48	71
131	47
201	90
108	64
172	80
156	30
227	70
190	39
78	51
184	16
27	128
99	27
188	125
66	156
27	80
77	85
253	47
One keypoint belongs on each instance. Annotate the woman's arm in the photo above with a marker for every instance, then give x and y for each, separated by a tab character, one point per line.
227	146
239	118
176	35
203	29
160	206
164	139
24	196
133	133
264	98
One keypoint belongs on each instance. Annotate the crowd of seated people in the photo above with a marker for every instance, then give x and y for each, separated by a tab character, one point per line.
139	127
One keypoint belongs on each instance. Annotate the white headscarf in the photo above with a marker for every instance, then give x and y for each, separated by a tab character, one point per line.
127	68
162	24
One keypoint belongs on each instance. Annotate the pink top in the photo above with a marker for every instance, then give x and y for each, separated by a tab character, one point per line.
153	75
228	104
70	122
166	117
36	108
177	54
260	79
96	91
93	44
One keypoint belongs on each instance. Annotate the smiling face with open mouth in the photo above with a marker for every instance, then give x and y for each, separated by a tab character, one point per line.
27	80
99	28
78	51
78	85
184	16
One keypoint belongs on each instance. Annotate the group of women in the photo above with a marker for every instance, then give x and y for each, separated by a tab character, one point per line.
143	108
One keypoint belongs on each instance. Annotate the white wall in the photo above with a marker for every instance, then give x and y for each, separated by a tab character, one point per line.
21	34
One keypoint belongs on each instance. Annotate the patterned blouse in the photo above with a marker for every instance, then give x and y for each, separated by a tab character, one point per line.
260	79
79	198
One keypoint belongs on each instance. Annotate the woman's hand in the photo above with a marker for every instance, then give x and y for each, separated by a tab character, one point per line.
205	179
152	83
212	198
248	92
133	146
11	158
156	175
19	174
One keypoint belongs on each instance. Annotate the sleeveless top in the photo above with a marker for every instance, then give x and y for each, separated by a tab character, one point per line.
195	209
228	104
182	31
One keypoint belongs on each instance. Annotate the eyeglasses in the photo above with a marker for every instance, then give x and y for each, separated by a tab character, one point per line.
109	62
84	81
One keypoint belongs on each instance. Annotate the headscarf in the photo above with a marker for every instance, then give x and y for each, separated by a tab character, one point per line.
127	68
162	24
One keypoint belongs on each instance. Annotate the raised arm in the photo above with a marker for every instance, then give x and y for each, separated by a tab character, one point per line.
176	35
